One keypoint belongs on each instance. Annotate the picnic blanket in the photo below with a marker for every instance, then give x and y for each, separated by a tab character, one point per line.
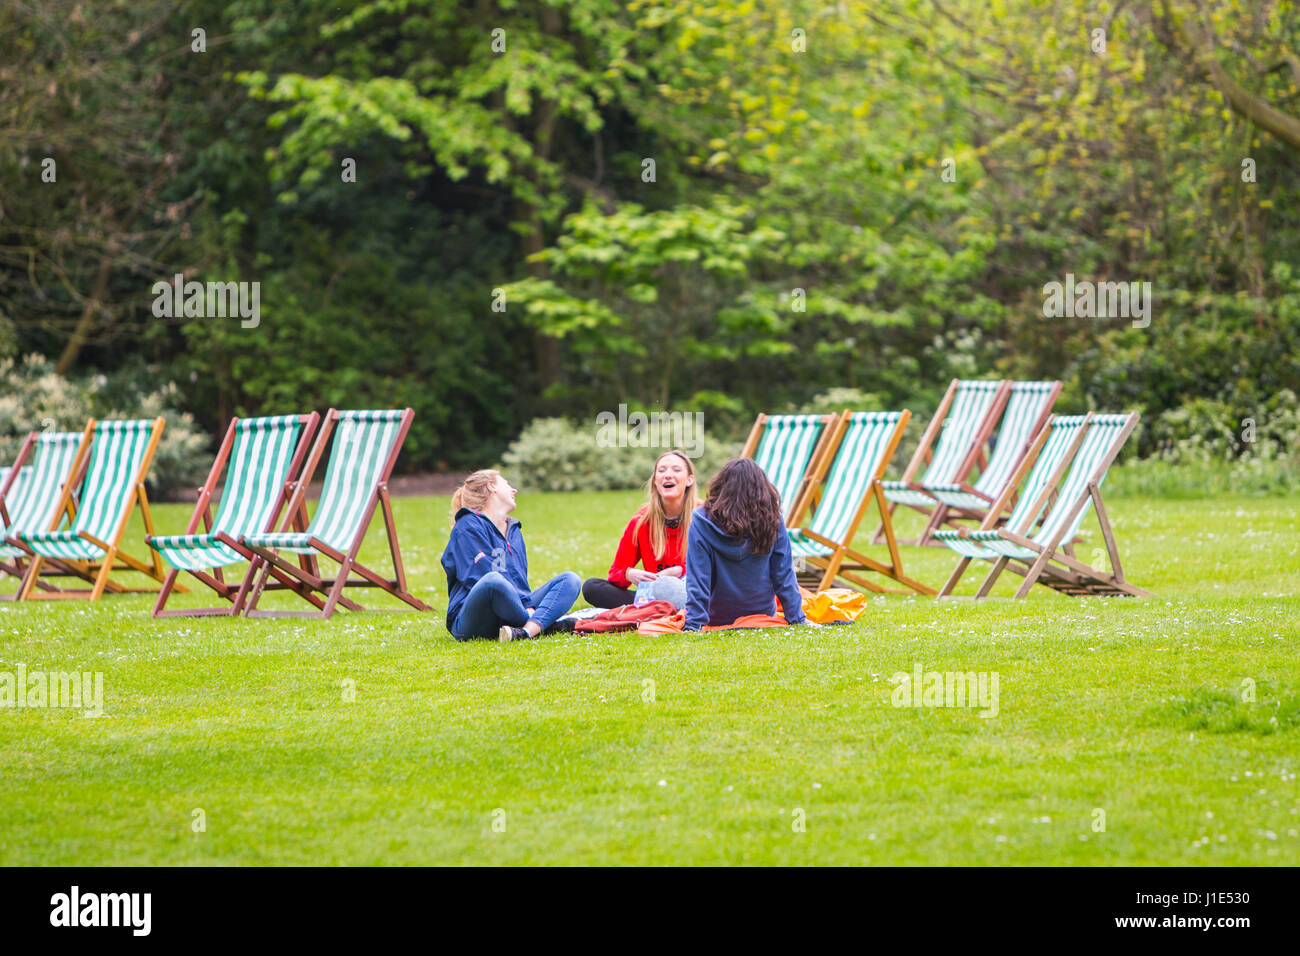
830	606
624	618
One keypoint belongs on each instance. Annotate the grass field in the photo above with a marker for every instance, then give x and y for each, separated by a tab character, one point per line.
551	752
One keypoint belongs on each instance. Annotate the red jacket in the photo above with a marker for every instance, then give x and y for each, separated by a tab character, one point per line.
635	547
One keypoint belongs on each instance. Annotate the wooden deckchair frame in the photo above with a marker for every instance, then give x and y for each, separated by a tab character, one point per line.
98	572
925	452
808	483
834	566
946	514
235	592
269	560
14	566
1075	576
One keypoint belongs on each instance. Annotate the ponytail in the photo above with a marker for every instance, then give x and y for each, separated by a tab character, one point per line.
474	492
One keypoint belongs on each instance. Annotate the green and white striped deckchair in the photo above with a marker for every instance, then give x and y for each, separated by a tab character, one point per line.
31	492
953	443
365	449
1063	504
1027	410
120	455
864	444
261	459
788	448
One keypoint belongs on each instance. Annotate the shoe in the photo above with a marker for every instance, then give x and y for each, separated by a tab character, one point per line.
508	634
563	626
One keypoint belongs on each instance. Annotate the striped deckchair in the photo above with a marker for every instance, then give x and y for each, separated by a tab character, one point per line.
962	424
365	449
31	492
261	459
788	449
119	457
863	445
1027	409
1086	446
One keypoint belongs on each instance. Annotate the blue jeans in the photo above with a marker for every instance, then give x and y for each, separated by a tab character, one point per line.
493	601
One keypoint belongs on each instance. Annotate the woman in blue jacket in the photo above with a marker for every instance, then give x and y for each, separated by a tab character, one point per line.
738	556
487	568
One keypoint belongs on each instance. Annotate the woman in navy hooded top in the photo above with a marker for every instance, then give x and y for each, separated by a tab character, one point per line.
738	558
487	568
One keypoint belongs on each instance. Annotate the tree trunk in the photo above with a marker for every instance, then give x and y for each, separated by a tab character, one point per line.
96	301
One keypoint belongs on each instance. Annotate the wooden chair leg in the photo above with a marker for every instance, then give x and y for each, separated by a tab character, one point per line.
994	572
164	592
101	579
951	584
1031	576
336	592
29	580
936	521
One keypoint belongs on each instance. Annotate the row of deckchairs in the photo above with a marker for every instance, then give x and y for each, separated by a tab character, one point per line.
964	424
828	472
65	505
1057	484
1032	490
67	499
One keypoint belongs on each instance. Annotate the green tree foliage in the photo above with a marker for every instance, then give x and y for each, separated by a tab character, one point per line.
861	196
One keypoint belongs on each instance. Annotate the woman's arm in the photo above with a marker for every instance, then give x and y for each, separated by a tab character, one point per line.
626	557
461	558
699	583
784	583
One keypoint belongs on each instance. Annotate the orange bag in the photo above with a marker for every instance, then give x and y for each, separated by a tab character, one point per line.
833	604
663	625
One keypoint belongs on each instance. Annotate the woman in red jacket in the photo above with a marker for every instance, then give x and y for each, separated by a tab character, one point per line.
655	537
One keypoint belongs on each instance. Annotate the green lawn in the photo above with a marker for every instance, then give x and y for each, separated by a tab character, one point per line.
1130	707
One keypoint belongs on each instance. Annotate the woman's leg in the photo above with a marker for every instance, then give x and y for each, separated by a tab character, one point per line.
602	593
493	601
554	598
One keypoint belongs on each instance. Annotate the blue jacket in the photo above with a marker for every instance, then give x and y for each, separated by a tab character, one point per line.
477	546
725	580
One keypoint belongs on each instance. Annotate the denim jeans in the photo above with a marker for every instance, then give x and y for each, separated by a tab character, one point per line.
493	602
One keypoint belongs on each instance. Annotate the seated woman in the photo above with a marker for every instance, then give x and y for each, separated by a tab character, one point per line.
738	559
656	537
487	568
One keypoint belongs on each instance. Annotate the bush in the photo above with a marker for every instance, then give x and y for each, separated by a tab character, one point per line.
1206	448
34	398
554	454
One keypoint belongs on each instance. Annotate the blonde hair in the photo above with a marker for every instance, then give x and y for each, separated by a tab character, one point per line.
474	491
654	511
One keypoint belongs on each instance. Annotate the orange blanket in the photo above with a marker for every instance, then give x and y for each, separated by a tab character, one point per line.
833	604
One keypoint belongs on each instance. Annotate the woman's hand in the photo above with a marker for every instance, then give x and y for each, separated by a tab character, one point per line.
635	576
676	571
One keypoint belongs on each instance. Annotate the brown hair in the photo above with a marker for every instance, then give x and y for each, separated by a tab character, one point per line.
654	511
474	492
744	504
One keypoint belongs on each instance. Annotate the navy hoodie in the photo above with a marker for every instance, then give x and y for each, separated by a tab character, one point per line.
726	580
477	546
